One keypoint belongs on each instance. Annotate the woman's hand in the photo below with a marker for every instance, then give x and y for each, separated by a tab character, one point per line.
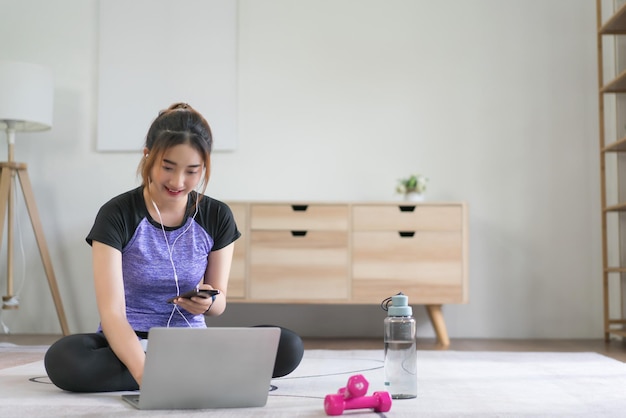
196	304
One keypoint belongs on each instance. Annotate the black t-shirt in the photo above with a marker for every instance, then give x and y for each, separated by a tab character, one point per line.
160	262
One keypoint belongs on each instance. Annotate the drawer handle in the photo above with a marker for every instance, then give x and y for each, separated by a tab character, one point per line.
404	208
299	208
406	234
298	233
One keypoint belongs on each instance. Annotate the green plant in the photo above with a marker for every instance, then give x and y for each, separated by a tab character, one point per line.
413	183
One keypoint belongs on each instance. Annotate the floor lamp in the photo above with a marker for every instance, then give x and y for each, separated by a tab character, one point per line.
26	97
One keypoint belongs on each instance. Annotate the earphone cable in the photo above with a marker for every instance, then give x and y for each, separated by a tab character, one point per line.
170	250
15	298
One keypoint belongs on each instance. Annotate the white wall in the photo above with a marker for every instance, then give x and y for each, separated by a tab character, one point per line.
494	100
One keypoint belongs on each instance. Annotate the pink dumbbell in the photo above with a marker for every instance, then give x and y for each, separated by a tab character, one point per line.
336	404
356	387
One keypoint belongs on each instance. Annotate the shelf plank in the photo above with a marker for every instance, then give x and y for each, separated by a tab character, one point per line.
617	146
616	25
621	207
617	332
616	270
617	85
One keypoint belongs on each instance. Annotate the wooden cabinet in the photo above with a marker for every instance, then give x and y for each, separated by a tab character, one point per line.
298	252
354	252
238	270
415	249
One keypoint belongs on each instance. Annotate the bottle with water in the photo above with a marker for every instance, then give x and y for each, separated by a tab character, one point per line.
400	348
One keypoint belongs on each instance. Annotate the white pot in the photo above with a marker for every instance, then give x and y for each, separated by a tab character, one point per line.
414	197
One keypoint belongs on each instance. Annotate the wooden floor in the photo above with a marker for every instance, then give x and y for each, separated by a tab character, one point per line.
615	348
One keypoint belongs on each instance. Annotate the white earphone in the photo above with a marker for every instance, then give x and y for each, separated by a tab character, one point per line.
170	250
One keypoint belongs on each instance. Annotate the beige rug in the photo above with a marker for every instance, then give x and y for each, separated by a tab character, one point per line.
450	384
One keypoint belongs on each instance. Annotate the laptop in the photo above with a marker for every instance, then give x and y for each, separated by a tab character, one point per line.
197	368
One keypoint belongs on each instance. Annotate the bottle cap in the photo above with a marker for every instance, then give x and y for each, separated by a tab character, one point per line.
400	306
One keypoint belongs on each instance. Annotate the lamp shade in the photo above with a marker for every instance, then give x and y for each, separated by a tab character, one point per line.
26	96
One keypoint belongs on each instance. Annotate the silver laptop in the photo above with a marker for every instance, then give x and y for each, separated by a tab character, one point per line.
197	368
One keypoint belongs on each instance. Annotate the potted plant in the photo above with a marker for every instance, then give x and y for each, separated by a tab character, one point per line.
412	187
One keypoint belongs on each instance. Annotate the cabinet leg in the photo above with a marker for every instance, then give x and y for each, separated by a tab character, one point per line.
436	318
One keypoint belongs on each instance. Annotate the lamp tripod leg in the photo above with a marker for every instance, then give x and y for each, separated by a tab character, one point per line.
7	171
5	192
29	198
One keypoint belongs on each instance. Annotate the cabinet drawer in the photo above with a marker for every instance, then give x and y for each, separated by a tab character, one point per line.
284	266
427	266
407	217
299	217
237	279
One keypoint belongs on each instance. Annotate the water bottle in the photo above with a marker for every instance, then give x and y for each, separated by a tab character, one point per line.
400	348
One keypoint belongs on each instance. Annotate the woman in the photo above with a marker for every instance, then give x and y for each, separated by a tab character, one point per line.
151	245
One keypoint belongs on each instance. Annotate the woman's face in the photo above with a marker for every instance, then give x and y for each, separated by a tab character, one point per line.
178	173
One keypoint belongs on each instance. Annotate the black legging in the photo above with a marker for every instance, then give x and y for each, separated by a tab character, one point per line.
86	363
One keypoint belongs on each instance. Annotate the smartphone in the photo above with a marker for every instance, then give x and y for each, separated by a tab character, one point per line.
203	293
